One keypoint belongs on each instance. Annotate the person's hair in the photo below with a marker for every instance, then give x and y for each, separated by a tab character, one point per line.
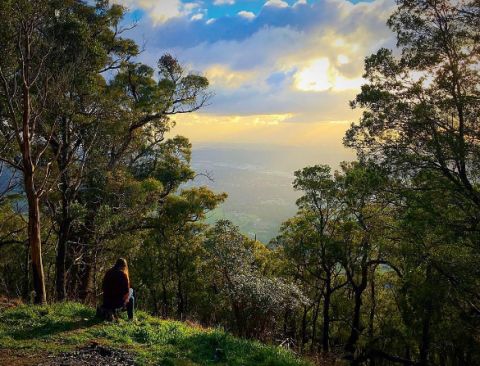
122	265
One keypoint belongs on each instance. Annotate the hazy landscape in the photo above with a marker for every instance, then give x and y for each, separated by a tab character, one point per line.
259	180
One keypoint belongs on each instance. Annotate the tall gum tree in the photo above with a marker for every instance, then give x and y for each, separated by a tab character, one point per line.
26	40
422	108
91	43
53	51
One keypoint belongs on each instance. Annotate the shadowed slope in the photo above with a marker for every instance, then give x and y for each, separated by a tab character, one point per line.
27	330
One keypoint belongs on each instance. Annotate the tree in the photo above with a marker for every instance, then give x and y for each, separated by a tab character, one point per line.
256	299
173	252
29	77
338	238
421	124
56	106
365	216
134	142
422	108
309	241
91	44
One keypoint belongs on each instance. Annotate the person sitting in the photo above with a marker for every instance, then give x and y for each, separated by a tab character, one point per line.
117	293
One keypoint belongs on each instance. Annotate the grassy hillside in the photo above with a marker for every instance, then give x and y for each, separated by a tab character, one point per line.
30	334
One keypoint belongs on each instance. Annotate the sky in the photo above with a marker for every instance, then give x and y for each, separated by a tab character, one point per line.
282	73
280	69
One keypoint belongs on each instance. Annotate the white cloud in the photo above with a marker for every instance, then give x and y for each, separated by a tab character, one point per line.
198	16
300	2
189	7
161	10
246	14
224	2
277	3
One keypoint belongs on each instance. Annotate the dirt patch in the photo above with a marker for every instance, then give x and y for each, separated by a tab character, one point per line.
10	357
93	355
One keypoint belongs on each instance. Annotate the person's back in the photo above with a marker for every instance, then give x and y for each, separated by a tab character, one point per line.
116	288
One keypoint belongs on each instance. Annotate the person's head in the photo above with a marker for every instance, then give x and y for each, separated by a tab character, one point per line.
121	265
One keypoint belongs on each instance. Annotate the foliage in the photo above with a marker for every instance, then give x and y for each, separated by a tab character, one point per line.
256	299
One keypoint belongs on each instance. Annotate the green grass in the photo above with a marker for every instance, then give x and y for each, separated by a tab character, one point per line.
66	326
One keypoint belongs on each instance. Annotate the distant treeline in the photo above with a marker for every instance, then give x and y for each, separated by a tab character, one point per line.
381	264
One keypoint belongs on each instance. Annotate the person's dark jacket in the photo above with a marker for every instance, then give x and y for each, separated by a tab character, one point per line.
115	289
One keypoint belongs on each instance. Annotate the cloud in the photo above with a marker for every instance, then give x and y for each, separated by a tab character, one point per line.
223	77
320	75
246	14
277	3
224	2
161	11
300	2
198	16
265	130
304	60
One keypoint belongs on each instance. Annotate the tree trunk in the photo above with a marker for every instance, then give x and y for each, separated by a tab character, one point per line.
358	290
326	314
60	286
165	311
240	322
87	288
180	300
304	327
153	295
355	331
65	220
89	257
34	231
373	309
314	323
26	273
35	241
425	341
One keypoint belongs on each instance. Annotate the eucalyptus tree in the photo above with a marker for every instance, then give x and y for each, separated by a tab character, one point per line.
421	123
134	146
422	107
45	55
366	212
91	44
168	267
436	294
309	241
297	241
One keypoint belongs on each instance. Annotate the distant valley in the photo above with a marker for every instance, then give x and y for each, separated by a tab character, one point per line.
258	180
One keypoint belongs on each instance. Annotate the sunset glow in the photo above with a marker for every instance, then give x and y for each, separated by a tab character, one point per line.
321	76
